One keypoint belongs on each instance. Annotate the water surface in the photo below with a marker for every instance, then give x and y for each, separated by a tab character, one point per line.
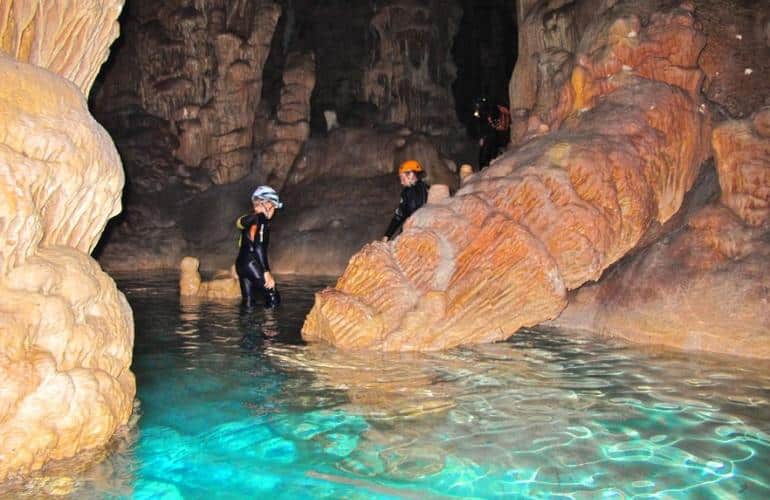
233	405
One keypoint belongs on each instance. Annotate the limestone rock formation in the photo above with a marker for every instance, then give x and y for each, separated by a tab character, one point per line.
706	286
409	79
196	76
627	136
66	332
181	99
223	286
287	133
39	32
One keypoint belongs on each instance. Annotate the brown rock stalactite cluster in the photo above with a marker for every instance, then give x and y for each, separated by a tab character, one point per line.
627	138
196	76
410	77
66	333
287	133
706	286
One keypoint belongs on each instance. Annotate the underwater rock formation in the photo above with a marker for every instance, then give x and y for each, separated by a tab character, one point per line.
66	332
627	137
706	286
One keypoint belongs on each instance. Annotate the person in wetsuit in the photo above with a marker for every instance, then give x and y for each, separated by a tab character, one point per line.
413	196
492	123
252	264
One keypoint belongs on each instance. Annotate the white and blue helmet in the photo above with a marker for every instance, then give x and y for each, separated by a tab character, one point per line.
266	193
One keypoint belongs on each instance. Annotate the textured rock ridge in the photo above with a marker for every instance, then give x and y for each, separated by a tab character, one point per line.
66	332
69	37
287	133
704	287
626	139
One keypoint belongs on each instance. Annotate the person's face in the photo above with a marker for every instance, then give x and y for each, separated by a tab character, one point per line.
265	207
407	178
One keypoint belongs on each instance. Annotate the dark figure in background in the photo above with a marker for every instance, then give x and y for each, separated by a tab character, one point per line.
251	264
413	196
493	124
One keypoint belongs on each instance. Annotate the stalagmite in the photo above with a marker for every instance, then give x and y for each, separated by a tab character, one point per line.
66	332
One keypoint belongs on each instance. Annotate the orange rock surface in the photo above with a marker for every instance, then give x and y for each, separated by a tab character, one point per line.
705	287
626	140
66	332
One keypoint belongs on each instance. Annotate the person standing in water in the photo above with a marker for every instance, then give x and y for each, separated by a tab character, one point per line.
252	264
413	196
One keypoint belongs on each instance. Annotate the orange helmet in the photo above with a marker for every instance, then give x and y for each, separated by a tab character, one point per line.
410	166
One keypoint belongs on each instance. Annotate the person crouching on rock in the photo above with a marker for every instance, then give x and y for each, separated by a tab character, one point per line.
251	264
413	196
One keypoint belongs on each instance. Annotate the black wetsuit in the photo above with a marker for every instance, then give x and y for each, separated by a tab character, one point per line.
412	198
493	130
252	264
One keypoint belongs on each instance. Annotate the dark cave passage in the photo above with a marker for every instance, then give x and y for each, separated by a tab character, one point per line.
485	51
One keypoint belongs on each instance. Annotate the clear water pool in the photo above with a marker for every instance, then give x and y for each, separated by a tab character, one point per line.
234	406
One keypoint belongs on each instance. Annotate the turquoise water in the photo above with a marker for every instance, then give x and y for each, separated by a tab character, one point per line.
234	406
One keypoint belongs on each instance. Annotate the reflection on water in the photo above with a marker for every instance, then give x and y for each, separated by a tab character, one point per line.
233	405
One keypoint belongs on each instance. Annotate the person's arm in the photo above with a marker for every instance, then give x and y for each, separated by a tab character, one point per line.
410	201
246	220
261	251
397	220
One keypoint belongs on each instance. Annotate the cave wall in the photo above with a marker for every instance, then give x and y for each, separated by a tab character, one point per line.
208	99
66	332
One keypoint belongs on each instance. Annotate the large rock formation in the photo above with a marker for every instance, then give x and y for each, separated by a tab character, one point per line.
66	333
196	78
627	136
704	287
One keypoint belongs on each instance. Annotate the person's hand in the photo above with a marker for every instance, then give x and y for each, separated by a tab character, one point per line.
269	281
481	142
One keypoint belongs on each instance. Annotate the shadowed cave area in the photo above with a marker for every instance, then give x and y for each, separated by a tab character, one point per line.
586	315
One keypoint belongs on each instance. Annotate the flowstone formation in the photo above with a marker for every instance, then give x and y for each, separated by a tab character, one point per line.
706	286
627	136
66	332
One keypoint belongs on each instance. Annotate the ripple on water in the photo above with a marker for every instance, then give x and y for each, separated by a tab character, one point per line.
228	413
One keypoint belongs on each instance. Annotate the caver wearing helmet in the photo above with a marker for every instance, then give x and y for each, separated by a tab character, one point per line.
252	264
266	193
492	123
413	196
